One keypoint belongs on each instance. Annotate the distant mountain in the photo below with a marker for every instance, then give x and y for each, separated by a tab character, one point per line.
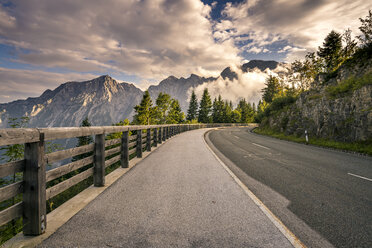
103	100
178	87
260	64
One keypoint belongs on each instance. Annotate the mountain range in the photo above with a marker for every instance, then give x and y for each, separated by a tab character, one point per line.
105	101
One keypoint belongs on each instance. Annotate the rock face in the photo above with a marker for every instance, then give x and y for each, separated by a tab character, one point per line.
103	100
344	117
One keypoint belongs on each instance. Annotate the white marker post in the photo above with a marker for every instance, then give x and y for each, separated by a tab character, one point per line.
306	137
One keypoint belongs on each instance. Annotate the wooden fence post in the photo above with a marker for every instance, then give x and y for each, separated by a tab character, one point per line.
148	140
160	138
125	149
99	161
155	137
139	144
34	196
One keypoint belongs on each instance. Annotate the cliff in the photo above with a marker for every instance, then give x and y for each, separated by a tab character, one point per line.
337	107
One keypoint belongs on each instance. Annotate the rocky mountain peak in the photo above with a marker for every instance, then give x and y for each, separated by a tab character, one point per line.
228	73
260	64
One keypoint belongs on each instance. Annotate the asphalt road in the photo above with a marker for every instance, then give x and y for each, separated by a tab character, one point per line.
178	196
323	196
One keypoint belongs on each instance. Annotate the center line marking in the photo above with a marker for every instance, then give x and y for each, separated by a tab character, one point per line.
261	146
365	178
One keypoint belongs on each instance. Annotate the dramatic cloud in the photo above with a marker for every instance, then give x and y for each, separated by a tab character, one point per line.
16	84
248	85
148	40
151	39
304	24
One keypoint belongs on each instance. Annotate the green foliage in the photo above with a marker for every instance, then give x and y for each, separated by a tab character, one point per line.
84	140
305	72
246	111
175	114
350	45
331	51
163	103
366	29
271	90
145	112
125	122
315	96
205	108
235	116
192	112
361	147
349	85
218	110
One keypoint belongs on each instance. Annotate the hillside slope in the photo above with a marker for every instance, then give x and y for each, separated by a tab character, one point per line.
338	108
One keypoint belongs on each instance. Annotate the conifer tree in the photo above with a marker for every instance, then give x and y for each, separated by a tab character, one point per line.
145	112
271	90
175	114
218	110
193	108
227	113
331	51
162	103
205	107
235	116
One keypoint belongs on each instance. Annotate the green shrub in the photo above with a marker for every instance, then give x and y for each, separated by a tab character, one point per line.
349	85
361	147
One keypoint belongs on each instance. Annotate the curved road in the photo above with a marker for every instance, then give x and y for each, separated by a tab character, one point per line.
178	196
323	196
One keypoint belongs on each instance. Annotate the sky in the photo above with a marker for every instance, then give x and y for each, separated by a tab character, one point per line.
44	43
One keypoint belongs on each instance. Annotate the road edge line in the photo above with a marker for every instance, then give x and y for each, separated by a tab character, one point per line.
275	220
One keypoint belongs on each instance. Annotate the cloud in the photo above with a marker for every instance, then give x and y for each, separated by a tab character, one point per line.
303	24
151	38
20	84
248	85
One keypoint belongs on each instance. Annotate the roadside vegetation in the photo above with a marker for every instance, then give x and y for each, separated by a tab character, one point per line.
339	51
359	147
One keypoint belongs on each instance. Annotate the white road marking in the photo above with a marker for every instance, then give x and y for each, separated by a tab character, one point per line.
275	220
260	146
236	137
365	178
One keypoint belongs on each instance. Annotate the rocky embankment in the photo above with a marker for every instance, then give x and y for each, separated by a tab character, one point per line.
337	108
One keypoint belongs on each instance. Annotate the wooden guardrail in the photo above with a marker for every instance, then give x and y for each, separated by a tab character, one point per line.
102	154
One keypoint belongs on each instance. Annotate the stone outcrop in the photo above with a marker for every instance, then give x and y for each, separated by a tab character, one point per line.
344	117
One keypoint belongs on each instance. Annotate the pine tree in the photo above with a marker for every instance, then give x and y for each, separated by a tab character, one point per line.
192	112
271	90
235	116
175	114
227	113
218	110
331	51
163	102
84	140
205	108
145	112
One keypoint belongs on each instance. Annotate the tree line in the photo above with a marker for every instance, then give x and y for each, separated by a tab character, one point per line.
168	111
